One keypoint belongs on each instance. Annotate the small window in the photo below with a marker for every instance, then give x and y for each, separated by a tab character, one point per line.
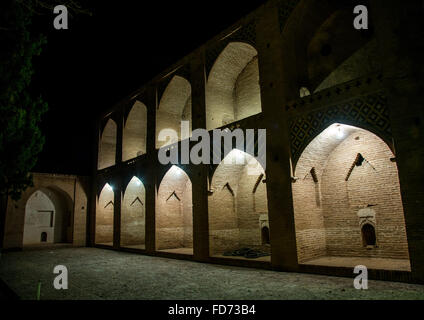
44	237
368	236
265	235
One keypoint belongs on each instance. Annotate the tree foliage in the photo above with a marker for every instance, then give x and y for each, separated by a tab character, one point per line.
21	139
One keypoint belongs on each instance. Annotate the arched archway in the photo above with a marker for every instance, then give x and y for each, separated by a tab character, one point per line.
174	213
48	217
343	170
174	107
135	131
104	216
107	145
232	89
133	215
238	208
317	53
332	60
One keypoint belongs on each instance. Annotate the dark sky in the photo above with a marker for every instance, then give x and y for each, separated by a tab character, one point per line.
101	59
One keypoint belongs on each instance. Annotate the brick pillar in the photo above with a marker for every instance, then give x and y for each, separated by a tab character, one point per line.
276	87
400	29
199	172
119	132
117	200
92	201
150	180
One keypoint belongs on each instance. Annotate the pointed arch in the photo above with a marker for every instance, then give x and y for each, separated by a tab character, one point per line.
174	215
342	169
107	145
135	132
174	107
332	60
235	211
104	216
133	215
48	210
322	27
232	89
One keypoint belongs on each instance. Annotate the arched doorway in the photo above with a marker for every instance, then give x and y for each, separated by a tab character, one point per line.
343	173
48	217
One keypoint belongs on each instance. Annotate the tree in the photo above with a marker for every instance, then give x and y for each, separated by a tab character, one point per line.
21	139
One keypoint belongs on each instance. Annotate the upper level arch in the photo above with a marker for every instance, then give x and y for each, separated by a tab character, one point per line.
174	107
135	132
232	89
107	145
322	48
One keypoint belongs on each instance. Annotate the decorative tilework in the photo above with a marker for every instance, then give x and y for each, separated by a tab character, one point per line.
367	112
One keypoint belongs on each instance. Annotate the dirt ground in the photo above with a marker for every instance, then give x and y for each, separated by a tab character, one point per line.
105	274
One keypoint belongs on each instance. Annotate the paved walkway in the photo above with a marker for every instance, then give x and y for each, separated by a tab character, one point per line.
104	274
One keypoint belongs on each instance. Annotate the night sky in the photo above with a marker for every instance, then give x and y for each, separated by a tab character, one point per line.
101	59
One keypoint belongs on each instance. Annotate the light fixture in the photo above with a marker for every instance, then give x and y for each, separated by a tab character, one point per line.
337	130
340	133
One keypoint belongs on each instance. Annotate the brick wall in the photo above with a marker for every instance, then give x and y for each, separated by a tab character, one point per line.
134	133
232	90
174	222
133	214
107	147
67	195
247	93
326	212
104	216
175	105
234	207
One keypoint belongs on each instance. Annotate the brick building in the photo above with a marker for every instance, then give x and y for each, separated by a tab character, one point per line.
343	113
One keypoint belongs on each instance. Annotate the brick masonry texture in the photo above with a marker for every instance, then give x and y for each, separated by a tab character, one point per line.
249	77
326	211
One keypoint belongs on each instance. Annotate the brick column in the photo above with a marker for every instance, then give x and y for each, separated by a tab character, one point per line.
400	30
150	180
117	200
199	172
276	88
119	132
92	201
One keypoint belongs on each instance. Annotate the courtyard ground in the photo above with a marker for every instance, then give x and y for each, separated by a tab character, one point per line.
105	274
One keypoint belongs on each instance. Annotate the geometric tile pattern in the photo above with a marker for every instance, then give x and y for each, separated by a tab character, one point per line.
368	111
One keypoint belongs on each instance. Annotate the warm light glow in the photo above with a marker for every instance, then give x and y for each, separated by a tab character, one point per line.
109	187
177	171
137	181
337	130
